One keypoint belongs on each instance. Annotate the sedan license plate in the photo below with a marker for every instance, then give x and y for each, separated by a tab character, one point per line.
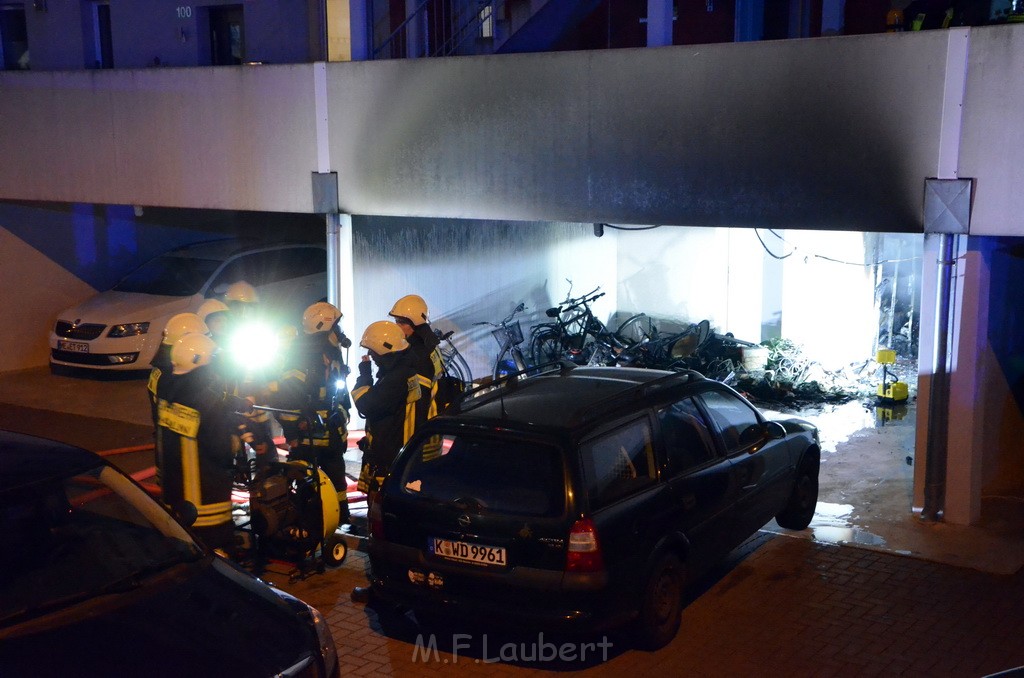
465	552
73	346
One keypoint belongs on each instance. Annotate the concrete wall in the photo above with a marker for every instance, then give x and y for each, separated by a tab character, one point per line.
470	272
29	310
219	138
993	137
812	134
685	275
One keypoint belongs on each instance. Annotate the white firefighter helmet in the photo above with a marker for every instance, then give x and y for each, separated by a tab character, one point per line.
209	307
182	324
383	337
320	317
191	351
410	306
241	292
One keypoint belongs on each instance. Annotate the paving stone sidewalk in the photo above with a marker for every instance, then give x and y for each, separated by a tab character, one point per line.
779	607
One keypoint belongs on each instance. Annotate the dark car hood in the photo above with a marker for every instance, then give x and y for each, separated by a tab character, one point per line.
203	619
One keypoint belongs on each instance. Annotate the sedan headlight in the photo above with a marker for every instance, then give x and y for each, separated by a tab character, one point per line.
128	330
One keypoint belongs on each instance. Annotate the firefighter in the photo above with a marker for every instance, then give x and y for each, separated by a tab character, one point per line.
313	382
242	299
410	314
198	435
388	405
160	374
240	328
215	314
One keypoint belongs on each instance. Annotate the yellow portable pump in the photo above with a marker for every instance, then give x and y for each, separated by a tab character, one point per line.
890	391
290	512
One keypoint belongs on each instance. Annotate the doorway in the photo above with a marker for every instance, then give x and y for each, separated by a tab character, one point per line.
13	37
103	49
227	35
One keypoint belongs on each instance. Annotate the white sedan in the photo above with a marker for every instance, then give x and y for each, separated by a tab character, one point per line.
120	329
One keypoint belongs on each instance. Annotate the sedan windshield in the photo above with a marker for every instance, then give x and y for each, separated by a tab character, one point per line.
91	534
169	275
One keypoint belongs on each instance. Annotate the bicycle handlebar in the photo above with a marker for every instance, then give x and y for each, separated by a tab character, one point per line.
508	318
556	311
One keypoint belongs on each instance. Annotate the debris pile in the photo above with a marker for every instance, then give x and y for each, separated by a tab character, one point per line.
791	378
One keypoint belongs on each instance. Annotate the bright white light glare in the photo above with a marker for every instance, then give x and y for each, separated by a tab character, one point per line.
339	384
254	346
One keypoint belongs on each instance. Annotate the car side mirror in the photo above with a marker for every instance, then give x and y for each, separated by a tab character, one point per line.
219	290
775	430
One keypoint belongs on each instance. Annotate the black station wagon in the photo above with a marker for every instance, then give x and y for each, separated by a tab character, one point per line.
584	499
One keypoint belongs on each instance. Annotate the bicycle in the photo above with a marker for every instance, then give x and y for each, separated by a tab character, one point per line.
509	335
659	350
636	329
573	333
451	360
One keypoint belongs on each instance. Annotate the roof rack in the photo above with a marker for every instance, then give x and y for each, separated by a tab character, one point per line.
677	376
497	388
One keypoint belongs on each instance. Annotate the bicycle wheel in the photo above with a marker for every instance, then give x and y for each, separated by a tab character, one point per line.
636	329
545	347
505	364
455	365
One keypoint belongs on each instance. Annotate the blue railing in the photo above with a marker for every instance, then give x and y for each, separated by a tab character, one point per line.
437	28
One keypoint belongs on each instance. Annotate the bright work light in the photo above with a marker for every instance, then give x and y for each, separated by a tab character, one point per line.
254	346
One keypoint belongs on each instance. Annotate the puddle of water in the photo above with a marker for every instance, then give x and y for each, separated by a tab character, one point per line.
847	535
832	515
837	423
832	524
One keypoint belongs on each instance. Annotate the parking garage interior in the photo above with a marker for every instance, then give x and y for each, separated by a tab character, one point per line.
758	285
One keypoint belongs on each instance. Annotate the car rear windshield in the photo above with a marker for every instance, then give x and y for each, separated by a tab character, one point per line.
501	475
169	275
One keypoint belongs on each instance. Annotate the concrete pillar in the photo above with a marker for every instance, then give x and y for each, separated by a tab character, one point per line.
771	295
659	23
925	359
340	278
969	349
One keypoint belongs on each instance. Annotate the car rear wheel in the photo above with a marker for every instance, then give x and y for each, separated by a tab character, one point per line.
799	509
662	605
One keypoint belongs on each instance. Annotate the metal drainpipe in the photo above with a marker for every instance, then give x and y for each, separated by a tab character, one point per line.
938	394
333	264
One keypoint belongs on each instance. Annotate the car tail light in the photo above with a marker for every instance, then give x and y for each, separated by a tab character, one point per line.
584	549
375	515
